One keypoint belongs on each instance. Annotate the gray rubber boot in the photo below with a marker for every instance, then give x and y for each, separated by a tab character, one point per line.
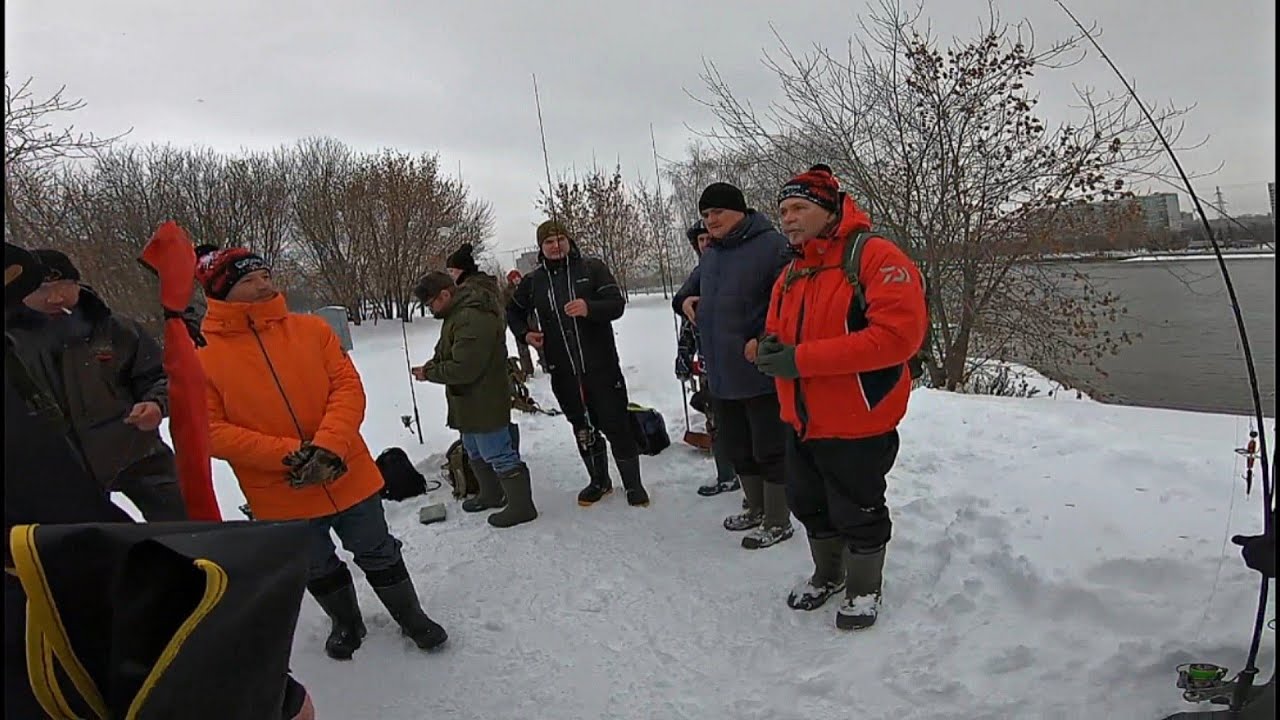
519	490
490	495
776	525
753	515
828	575
863	572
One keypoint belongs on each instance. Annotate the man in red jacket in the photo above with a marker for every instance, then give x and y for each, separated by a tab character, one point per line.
839	354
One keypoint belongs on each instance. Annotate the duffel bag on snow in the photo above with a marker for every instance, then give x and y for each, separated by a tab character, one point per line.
400	479
649	429
190	620
457	470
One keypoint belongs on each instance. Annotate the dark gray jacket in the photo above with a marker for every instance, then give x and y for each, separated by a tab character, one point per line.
98	366
734	278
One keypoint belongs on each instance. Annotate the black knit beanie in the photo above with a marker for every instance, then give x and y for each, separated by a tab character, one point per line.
722	196
57	266
693	232
463	259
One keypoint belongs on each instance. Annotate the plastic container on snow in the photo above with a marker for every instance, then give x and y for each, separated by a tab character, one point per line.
336	316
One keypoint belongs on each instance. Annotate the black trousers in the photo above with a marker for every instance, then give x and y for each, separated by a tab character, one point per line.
836	487
158	498
596	404
753	435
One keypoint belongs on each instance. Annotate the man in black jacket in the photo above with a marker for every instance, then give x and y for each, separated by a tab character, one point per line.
575	300
107	375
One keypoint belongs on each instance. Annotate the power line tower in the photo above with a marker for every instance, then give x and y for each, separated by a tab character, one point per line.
1222	204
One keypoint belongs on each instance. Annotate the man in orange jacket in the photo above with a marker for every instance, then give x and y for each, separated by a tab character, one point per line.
839	358
285	408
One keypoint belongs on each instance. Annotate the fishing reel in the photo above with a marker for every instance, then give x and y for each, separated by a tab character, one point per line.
1203	682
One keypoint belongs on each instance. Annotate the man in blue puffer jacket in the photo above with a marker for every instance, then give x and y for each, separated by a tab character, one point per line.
727	297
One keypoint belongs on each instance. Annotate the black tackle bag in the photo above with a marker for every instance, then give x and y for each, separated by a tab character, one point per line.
649	429
400	479
191	620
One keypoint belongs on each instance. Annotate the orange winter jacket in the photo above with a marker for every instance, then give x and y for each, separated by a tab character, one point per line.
272	376
854	382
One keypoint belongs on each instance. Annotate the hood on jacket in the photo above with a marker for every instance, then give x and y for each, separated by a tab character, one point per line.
754	224
233	318
470	297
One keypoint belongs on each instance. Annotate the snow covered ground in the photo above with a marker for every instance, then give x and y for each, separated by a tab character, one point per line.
1051	558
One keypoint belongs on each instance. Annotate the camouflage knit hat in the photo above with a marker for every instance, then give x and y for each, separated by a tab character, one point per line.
550	228
431	285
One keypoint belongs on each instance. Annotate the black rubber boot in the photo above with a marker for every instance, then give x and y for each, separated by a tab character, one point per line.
395	589
336	594
519	491
490	495
629	470
828	575
596	459
863	571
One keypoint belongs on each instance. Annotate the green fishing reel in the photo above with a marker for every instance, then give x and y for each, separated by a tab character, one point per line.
1203	682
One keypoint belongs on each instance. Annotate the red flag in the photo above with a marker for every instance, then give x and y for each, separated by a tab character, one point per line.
170	254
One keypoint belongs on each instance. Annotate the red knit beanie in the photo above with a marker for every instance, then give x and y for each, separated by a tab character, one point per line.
817	185
218	271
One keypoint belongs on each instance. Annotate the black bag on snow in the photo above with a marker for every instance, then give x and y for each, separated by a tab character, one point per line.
649	429
191	620
401	480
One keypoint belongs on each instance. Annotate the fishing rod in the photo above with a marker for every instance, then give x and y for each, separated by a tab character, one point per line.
665	260
555	308
413	393
1244	681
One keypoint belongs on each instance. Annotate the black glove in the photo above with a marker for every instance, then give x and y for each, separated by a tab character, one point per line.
1259	552
313	465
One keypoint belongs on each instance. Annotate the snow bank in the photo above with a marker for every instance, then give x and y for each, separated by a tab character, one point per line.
1176	257
1050	560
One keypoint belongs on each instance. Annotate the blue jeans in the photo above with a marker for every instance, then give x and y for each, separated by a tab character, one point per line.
363	531
496	448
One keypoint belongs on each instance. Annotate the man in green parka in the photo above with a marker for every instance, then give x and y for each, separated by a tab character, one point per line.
471	362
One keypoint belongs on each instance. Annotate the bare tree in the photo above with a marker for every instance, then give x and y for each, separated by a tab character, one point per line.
602	215
943	145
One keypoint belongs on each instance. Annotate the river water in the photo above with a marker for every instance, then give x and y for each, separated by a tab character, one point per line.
1189	356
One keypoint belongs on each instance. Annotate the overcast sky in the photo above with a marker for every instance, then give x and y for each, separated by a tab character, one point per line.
454	77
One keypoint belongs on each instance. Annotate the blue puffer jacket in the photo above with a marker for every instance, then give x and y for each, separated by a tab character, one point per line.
734	277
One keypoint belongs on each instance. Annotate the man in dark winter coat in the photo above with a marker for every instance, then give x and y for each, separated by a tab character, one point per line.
575	301
470	360
689	344
45	478
107	376
728	297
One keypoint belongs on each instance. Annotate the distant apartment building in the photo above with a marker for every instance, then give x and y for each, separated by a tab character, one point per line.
1160	211
527	262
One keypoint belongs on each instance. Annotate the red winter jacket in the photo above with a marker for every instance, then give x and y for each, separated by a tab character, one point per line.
854	381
